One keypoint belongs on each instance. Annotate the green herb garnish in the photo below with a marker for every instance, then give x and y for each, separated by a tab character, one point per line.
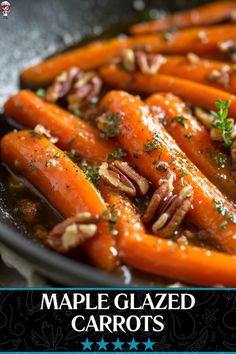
73	155
181	120
222	210
222	122
153	145
90	172
117	154
41	93
219	158
108	123
57	155
32	133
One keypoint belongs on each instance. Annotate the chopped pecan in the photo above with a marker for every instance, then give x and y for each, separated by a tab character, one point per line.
41	130
193	58
221	76
77	87
169	208
124	178
202	35
141	61
128	60
108	124
206	118
72	232
149	63
229	48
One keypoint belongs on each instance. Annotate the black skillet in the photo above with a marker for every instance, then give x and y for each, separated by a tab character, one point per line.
35	30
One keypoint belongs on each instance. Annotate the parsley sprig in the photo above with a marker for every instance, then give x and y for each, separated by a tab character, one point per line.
222	122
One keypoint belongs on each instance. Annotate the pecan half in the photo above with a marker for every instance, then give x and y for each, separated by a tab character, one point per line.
169	208
174	213
85	90
163	193
145	63
124	178
62	84
72	232
77	87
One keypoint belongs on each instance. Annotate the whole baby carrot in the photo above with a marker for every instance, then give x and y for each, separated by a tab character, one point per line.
190	264
189	91
161	257
62	183
193	138
100	53
207	72
147	142
72	132
215	12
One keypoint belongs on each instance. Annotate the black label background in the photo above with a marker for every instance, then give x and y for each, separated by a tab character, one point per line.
209	326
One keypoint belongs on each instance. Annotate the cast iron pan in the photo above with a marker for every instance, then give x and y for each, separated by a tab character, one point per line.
35	30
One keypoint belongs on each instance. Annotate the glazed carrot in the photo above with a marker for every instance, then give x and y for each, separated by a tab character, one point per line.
194	139
162	257
190	264
100	53
201	70
73	133
147	142
189	91
62	183
128	221
215	12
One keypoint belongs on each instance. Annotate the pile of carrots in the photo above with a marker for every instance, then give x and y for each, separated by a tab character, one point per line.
189	56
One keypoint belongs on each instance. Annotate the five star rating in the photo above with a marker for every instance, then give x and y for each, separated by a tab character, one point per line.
118	345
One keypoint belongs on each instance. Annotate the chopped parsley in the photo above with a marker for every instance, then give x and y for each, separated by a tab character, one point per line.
108	123
73	155
41	93
110	215
31	166
222	122
77	112
57	155
90	172
224	224
32	133
222	210
181	120
117	154
153	145
219	158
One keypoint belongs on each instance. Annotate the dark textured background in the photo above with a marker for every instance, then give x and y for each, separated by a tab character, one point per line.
35	30
209	326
